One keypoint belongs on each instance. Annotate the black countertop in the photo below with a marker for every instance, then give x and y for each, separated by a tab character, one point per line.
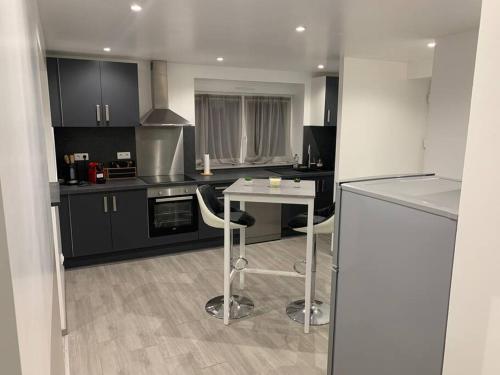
219	176
114	185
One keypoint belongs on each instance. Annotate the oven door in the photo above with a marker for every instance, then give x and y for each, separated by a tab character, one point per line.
172	215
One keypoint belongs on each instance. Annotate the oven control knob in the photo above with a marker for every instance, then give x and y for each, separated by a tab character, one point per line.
186	190
160	192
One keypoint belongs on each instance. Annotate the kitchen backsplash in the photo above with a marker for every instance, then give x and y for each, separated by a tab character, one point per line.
101	144
322	140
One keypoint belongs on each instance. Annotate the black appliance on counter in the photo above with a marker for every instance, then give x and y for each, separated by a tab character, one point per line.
172	210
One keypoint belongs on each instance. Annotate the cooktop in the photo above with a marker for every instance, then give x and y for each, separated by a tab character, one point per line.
165	179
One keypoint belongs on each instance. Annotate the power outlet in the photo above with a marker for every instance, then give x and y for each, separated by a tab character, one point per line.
123	155
81	156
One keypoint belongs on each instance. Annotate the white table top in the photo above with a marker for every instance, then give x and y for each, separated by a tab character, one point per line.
288	188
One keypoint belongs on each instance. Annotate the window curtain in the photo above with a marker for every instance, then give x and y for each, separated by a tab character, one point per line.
268	129
218	127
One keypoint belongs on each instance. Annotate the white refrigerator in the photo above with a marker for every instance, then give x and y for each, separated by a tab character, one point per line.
394	246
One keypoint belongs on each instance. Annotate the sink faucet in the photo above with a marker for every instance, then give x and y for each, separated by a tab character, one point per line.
309	156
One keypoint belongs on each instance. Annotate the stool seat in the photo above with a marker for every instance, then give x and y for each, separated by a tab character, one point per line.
322	221
238	217
300	221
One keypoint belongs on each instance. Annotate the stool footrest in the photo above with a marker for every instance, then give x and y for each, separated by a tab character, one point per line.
273	272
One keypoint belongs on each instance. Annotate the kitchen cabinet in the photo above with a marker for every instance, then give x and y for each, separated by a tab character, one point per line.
54	97
120	95
324	101
331	101
93	93
129	219
90	224
104	222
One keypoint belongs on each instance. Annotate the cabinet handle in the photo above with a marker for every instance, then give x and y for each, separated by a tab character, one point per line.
328	116
114	203
98	113
106	110
105	204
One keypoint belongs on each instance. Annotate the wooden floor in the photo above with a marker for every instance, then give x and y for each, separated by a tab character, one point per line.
147	316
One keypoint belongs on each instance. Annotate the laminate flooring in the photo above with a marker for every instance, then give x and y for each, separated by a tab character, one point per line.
147	316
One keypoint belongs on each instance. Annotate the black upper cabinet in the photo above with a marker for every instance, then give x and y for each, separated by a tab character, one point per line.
80	88
331	101
93	93
120	95
54	97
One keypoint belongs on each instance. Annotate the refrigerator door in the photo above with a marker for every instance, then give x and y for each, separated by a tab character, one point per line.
393	287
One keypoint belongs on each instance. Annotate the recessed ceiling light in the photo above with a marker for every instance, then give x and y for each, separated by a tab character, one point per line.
300	29
431	44
220	58
321	66
136	7
107	49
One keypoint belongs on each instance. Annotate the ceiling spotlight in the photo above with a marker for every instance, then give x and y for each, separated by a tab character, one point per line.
300	29
220	58
431	44
136	7
107	49
321	66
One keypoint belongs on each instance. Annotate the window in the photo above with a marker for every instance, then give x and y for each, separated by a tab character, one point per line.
241	129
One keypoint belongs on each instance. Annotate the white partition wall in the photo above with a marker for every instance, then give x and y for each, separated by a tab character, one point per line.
473	338
449	104
382	119
29	303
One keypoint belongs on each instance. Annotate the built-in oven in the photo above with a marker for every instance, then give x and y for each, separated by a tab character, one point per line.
172	210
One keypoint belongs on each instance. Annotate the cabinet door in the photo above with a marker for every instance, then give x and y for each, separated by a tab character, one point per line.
80	86
120	93
65	227
54	97
129	219
331	101
90	224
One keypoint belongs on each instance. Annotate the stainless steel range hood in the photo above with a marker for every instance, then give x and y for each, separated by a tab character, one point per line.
161	115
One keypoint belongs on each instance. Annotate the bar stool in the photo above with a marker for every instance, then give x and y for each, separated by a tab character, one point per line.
212	212
323	224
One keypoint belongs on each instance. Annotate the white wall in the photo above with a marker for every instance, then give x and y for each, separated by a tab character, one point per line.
25	195
181	86
317	100
382	119
473	337
449	104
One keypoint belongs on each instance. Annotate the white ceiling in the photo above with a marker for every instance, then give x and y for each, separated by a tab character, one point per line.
255	33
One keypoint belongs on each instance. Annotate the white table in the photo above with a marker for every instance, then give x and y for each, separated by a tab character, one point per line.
259	190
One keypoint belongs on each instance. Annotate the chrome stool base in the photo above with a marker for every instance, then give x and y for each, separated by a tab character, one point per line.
240	307
320	312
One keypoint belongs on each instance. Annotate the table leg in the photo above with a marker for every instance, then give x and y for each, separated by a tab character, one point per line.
242	247
227	258
309	264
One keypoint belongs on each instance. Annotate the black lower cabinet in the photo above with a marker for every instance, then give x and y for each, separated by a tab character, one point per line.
129	219
90	224
106	222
